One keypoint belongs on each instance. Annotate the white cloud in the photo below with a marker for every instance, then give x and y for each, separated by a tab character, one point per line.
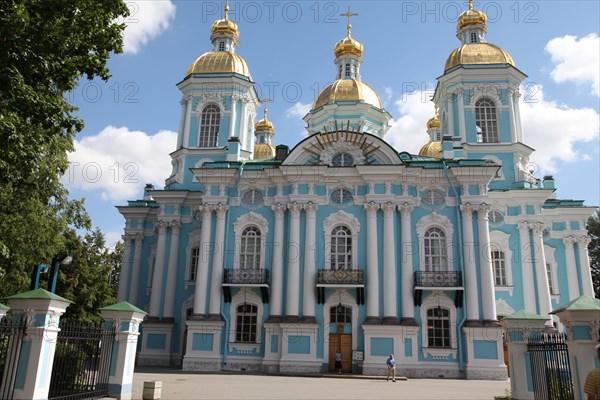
409	131
576	60
147	20
553	130
298	110
119	162
112	238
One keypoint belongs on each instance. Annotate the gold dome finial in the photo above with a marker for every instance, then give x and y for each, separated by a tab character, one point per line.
264	124
226	10
470	4
471	17
349	14
348	45
225	27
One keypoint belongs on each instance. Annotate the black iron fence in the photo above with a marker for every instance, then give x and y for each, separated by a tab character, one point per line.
81	362
438	279
550	366
12	333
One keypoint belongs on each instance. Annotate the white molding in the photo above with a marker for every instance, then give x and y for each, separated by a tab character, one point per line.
243	222
503	308
337	219
499	241
342	147
551	259
193	241
500	174
438	298
245	295
339	296
434	220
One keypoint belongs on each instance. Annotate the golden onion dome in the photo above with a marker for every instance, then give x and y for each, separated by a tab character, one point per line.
215	62
348	90
432	149
348	45
471	17
225	26
264	125
478	53
264	150
433	122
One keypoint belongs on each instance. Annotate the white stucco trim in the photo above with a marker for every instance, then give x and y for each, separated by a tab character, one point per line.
434	220
243	222
337	219
193	242
499	241
438	298
245	295
551	260
339	296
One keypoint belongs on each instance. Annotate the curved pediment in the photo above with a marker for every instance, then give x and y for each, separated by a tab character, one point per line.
321	147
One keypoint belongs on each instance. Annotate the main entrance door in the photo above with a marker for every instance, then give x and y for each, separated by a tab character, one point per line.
342	342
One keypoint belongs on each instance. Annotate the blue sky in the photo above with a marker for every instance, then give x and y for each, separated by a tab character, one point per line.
130	121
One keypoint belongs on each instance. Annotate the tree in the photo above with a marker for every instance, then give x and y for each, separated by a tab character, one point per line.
46	47
593	227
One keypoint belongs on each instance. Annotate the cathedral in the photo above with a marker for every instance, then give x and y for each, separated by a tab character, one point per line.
265	258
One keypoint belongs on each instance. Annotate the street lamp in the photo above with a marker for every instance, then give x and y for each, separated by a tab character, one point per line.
57	261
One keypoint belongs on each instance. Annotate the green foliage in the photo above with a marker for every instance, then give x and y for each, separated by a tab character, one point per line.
593	227
46	47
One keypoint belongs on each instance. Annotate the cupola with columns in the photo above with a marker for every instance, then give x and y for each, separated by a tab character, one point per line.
264	131
434	147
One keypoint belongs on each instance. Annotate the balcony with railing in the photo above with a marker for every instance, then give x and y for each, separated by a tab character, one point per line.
235	277
341	278
438	280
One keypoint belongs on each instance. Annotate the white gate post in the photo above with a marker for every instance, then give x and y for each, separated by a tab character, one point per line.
3	310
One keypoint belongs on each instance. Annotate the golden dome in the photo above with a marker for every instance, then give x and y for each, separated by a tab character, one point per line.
348	90
225	26
264	125
471	17
215	62
433	122
432	149
478	53
348	45
264	150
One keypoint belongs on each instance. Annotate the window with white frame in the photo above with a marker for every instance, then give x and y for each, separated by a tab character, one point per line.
250	248
435	250
209	126
246	322
341	248
253	196
432	197
342	160
221	46
486	120
550	279
473	37
194	259
341	196
347	73
340	314
499	265
438	328
439	313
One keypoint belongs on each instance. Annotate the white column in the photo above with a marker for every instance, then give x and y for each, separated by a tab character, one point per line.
543	287
188	119
293	277
125	265
584	264
518	118
471	286
202	272
451	115
461	115
159	265
310	272
169	307
488	292
372	263
232	116
135	276
527	268
571	267
181	124
214	307
390	292
408	309
512	116
243	122
277	269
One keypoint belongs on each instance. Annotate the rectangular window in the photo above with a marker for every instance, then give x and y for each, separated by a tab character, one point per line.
246	323
499	265
194	258
438	327
550	280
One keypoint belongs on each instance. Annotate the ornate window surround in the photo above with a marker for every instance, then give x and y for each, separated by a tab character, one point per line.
499	241
337	297
207	99
193	242
551	260
500	174
438	298
434	220
240	224
342	147
336	219
151	262
245	295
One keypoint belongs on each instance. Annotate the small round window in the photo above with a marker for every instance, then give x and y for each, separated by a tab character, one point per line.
342	160
253	196
341	196
495	217
432	197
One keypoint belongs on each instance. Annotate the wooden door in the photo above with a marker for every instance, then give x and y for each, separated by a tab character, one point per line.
344	344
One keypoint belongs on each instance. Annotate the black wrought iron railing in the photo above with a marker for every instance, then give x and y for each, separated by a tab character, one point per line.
341	277
234	276
438	279
550	366
12	333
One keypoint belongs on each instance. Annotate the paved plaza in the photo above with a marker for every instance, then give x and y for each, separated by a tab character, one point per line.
181	385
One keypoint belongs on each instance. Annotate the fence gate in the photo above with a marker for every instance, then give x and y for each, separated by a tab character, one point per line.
81	361
11	337
550	367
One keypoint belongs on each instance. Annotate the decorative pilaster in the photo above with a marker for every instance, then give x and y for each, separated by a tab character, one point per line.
293	289
135	276
169	307
214	308
202	272
471	286
584	265
181	129
512	116
488	293
543	287
188	120
125	265
571	264
310	273
277	269
372	264
461	114
526	266
244	119
157	276
408	310
390	311
232	115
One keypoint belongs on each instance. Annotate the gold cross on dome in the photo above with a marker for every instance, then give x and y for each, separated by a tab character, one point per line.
470	4
349	14
265	101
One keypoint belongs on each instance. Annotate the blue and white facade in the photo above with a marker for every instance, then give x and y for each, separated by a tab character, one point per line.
272	260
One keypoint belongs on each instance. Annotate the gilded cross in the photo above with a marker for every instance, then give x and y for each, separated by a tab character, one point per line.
349	14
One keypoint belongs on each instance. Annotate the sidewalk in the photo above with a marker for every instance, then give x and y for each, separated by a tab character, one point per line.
180	385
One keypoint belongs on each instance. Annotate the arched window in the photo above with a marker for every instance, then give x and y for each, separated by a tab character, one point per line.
209	126
250	248
435	250
245	325
341	196
347	73
499	265
342	160
438	327
340	314
486	121
341	248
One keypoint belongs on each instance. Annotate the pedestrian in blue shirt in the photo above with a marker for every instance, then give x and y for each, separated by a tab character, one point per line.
391	366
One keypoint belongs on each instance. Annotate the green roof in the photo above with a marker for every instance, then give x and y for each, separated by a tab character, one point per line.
38	294
123	306
582	303
3	307
522	314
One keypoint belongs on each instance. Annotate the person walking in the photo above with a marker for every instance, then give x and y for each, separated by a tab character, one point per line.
592	382
391	366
